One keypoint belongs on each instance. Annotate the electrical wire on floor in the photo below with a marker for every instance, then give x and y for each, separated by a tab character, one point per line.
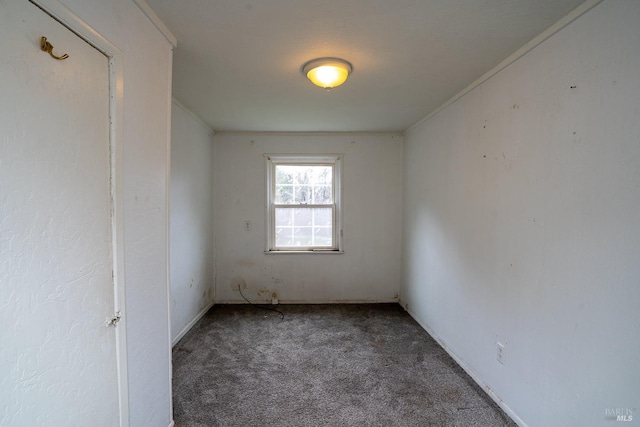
260	306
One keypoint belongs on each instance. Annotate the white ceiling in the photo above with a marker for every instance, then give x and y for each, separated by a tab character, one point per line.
237	64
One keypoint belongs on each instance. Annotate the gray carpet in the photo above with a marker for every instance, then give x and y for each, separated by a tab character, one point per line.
323	365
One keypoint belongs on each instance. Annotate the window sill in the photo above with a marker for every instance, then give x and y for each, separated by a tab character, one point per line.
328	252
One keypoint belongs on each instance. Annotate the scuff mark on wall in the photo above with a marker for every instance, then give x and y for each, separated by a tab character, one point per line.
237	282
246	262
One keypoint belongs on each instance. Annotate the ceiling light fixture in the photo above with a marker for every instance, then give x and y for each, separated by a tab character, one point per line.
327	72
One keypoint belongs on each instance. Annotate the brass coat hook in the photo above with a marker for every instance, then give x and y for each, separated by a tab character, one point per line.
48	47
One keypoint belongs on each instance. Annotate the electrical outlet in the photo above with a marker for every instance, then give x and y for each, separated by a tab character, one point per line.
500	354
248	226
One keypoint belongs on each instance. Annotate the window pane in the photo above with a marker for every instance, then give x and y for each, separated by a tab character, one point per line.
322	232
284	218
323	236
323	175
322	195
284	194
323	217
323	241
302	174
302	195
299	184
304	227
303	217
284	236
303	236
284	175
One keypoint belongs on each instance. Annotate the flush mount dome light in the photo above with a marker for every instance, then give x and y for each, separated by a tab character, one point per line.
327	72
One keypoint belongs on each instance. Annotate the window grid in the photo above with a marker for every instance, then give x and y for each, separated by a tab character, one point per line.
302	204
315	177
288	232
296	186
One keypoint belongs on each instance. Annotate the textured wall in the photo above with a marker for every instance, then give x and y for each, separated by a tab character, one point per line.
57	357
191	230
147	60
521	226
369	269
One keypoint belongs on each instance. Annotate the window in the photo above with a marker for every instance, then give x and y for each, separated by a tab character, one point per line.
303	203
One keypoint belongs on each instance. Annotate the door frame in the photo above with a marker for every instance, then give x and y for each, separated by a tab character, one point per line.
75	24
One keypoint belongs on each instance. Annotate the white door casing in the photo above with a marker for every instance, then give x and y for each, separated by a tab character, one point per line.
57	356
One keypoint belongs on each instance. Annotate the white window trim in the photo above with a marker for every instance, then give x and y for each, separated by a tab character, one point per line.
271	160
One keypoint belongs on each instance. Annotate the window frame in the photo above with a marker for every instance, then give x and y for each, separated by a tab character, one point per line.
273	160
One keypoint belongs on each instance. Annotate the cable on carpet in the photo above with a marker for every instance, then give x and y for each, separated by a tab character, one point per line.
260	306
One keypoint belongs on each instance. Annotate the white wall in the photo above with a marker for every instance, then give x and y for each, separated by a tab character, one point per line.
146	56
522	224
55	240
191	229
369	269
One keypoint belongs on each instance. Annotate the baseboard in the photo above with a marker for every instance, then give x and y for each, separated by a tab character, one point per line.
469	371
328	301
189	325
172	423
